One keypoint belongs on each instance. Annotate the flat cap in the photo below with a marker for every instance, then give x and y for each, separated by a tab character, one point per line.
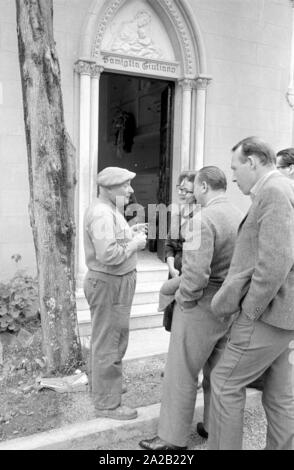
113	175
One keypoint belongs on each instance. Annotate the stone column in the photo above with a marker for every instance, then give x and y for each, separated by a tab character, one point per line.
84	69
187	86
201	89
94	128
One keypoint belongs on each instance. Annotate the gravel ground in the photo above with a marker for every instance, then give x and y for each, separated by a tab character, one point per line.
24	413
254	432
143	380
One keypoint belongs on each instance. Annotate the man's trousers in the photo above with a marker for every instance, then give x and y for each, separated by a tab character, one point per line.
110	299
254	347
197	341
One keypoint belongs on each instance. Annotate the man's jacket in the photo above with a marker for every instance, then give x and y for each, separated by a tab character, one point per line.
207	252
260	281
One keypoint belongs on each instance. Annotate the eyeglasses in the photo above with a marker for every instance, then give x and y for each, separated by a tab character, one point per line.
183	191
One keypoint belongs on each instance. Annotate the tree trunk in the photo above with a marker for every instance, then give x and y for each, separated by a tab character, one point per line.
51	162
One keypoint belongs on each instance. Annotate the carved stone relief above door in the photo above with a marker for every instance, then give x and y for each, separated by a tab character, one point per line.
134	37
137	31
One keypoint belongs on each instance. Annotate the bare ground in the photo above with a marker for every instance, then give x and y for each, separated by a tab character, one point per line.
24	410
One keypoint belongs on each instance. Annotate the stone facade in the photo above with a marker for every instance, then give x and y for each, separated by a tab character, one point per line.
230	60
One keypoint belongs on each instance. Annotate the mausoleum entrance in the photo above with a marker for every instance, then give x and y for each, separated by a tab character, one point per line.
141	64
135	132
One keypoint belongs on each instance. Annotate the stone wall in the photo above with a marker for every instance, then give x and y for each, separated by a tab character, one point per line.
248	53
15	232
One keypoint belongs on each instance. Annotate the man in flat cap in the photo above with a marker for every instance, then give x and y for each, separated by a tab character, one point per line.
111	247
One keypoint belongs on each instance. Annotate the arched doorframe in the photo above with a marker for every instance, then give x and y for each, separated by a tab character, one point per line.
190	93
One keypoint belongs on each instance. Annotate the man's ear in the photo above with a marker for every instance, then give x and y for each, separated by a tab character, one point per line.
252	161
204	186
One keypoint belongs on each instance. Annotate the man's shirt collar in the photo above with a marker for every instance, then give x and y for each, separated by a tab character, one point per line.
258	185
214	199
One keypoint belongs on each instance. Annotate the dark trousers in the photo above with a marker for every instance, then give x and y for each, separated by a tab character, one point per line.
110	300
169	310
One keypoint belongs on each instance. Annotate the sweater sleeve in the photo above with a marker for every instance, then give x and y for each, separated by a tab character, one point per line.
110	249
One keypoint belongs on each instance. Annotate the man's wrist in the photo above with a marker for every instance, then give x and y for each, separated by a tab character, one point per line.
170	262
186	304
132	246
249	315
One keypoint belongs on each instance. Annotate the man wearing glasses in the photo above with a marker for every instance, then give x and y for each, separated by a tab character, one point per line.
174	246
197	337
175	237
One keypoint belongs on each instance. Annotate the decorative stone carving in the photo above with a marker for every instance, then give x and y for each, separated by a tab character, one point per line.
202	82
83	67
108	15
179	23
176	18
134	38
96	70
187	84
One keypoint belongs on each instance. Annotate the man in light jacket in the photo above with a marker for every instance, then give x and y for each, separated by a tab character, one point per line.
260	288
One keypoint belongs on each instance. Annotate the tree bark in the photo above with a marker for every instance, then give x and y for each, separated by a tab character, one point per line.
51	162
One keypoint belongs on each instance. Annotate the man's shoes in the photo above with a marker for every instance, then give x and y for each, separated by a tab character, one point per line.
158	444
201	430
124	389
122	412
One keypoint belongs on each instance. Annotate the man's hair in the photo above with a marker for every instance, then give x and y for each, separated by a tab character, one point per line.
213	176
256	146
189	175
287	157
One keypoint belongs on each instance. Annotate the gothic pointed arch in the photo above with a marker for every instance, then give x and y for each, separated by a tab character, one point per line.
176	17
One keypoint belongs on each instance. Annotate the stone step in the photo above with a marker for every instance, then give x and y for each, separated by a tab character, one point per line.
148	275
146	342
136	311
145	274
151	274
146	293
148	321
142	316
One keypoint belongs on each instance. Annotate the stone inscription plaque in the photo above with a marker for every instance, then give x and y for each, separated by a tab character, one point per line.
140	66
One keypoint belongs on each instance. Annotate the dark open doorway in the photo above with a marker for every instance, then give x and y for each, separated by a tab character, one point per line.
135	132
